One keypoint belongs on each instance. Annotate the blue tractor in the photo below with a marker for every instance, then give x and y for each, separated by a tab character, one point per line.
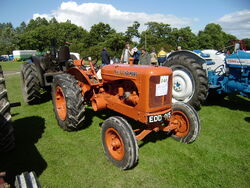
236	78
199	73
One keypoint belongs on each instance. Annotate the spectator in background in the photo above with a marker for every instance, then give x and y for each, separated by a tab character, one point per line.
126	54
145	58
179	48
115	60
162	56
153	57
105	61
136	55
105	57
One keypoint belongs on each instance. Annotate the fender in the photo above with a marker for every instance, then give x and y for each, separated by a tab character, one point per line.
82	78
189	54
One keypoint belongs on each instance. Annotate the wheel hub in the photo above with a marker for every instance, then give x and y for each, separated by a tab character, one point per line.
183	87
114	144
182	123
177	86
61	106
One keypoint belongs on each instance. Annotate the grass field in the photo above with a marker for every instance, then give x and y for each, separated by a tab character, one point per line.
11	66
219	158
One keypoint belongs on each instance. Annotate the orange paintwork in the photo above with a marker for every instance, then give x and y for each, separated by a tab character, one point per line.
61	106
79	62
181	121
114	144
112	73
131	90
155	128
131	60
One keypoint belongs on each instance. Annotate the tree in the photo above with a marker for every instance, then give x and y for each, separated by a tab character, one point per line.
35	39
37	23
115	43
156	36
38	34
21	28
132	31
40	37
247	42
53	21
99	33
7	38
183	37
213	37
66	31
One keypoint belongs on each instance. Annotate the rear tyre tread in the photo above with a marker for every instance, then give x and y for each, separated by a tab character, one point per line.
199	76
7	141
31	85
74	101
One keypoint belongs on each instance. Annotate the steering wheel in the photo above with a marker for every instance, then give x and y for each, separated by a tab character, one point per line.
94	58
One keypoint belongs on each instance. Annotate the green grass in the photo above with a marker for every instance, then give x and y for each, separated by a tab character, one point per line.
11	65
219	158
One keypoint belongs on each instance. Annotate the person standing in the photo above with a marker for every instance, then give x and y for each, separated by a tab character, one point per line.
162	56
136	55
145	58
126	54
105	57
153	57
105	61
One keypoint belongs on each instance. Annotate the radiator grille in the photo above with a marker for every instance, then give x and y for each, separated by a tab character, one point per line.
164	96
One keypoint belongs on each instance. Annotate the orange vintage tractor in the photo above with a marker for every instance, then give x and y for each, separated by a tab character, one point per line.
141	93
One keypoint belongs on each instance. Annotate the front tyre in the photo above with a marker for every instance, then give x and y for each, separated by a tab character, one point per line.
68	102
119	142
187	121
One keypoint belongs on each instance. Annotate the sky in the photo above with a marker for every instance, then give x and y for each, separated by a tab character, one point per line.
232	15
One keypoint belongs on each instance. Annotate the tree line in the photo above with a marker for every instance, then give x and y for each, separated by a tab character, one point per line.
38	33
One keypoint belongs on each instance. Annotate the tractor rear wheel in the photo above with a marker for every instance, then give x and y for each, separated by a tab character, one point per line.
30	84
187	121
119	142
190	83
6	129
68	102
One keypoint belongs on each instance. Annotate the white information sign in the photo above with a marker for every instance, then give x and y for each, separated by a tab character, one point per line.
162	88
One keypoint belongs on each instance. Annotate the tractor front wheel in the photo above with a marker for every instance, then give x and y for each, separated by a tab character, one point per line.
68	102
187	121
119	142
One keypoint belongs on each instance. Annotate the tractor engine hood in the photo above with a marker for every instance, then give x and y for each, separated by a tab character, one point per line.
132	72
